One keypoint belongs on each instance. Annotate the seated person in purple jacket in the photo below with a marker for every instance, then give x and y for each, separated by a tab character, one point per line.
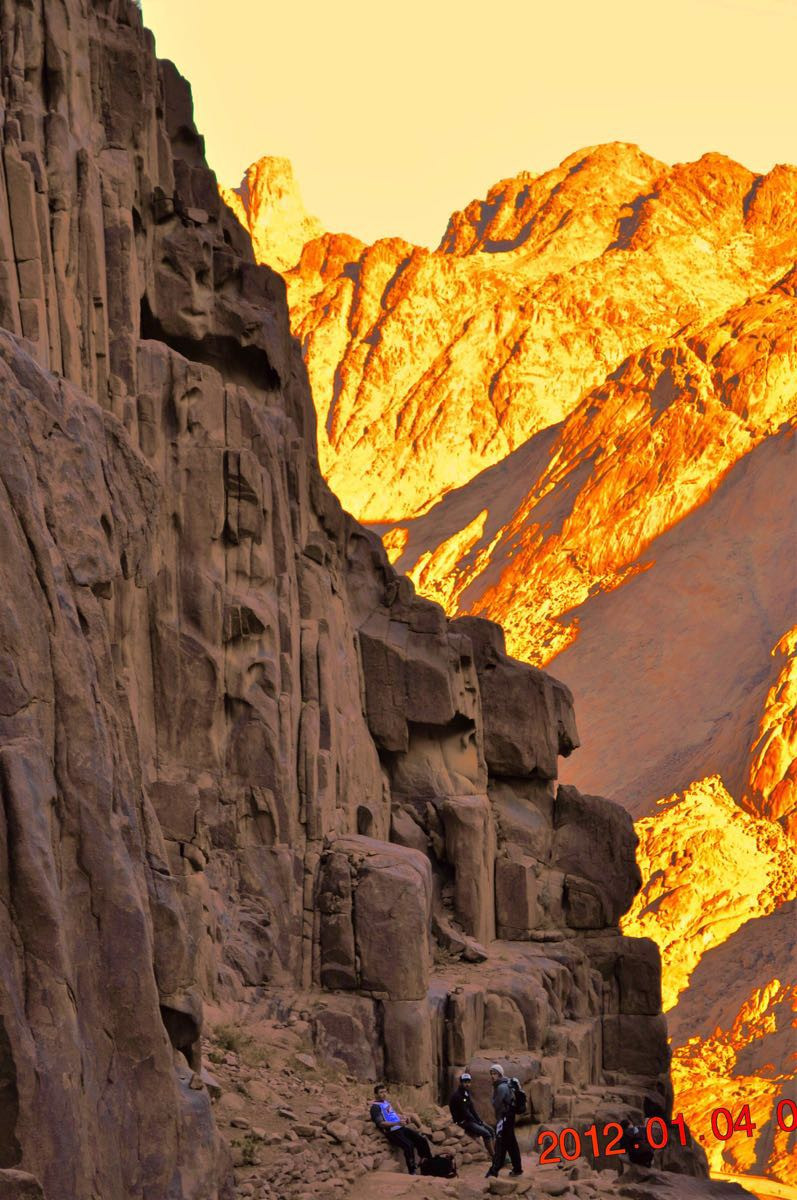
396	1130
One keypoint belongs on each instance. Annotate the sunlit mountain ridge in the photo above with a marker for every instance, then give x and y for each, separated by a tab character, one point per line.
576	417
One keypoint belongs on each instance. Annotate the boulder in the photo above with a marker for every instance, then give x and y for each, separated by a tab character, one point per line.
584	906
407	1033
524	814
550	895
636	1045
414	672
334	902
406	831
375	894
503	1023
517	910
464	1022
631	971
470	848
18	1185
528	715
594	841
345	1030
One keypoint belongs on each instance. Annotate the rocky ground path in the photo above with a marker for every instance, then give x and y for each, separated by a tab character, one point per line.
297	1130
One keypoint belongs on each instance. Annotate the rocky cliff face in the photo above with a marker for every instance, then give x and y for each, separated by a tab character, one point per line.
240	760
267	202
576	418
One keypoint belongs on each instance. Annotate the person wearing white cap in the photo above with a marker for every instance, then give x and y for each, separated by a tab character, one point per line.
504	1109
463	1112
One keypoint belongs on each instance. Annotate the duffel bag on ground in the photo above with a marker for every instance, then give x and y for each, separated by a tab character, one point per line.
441	1165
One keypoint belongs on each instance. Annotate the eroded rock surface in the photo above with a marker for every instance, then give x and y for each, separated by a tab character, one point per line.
429	366
238	755
267	202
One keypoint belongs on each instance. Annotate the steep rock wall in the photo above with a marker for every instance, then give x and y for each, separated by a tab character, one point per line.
236	751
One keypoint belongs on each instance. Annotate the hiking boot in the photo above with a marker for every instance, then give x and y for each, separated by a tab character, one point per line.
515	1174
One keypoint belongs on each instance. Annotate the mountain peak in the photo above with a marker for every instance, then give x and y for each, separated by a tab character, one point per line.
269	205
526	210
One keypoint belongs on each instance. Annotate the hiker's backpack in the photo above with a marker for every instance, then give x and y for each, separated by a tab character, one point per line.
441	1165
641	1151
519	1098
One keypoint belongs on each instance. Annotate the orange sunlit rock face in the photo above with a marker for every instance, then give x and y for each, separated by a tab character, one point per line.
720	899
711	1072
639	453
772	790
576	417
718	880
268	204
746	868
651	309
428	367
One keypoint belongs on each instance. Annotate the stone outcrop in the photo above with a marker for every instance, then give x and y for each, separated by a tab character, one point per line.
372	894
238	755
267	202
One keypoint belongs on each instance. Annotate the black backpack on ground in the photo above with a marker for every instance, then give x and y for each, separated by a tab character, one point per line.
640	1150
519	1097
441	1165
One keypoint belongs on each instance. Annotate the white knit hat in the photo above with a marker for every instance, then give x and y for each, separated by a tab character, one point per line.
497	1067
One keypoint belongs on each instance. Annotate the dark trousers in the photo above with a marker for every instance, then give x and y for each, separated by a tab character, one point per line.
478	1129
506	1143
410	1141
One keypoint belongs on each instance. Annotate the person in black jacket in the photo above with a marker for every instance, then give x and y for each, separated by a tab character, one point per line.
464	1114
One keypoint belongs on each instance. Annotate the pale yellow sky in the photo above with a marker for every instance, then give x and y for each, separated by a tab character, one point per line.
395	114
